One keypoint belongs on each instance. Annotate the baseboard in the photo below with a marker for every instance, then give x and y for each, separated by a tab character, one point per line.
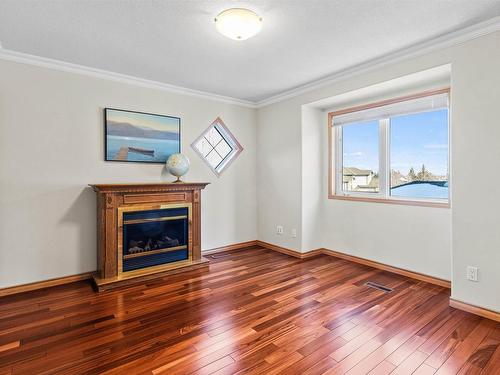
293	253
386	267
485	313
88	275
489	314
45	284
352	258
241	246
236	246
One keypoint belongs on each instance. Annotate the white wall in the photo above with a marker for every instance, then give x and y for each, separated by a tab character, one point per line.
415	238
51	147
476	142
409	237
313	190
279	174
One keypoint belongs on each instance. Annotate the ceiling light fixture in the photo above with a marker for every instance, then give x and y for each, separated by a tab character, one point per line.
238	23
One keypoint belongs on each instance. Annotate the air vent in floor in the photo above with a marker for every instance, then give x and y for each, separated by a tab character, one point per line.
217	256
379	287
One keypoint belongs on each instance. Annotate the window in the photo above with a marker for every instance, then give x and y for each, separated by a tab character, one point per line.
217	146
396	151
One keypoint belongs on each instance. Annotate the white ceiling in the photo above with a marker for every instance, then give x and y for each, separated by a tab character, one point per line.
175	41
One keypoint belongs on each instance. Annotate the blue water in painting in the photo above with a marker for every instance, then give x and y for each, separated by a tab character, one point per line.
163	148
435	190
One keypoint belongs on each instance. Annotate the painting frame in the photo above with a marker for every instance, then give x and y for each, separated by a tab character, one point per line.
106	112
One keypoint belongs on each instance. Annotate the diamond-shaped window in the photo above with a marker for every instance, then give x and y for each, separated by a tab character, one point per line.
217	146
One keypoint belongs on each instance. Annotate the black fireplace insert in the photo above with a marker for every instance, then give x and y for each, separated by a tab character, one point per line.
155	237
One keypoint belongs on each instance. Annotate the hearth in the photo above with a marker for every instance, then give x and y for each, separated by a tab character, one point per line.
147	230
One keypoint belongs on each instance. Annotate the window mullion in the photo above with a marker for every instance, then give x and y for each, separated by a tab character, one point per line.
384	168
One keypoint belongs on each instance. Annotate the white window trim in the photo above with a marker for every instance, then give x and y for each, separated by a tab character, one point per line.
383	196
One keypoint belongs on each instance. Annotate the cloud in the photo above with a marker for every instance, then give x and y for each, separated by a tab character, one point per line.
436	146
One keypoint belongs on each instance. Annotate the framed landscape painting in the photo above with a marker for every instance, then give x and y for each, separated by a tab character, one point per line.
140	137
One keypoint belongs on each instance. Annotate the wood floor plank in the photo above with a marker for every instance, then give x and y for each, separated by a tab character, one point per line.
10	345
253	312
355	343
354	358
411	363
382	368
492	366
424	369
460	332
405	350
460	356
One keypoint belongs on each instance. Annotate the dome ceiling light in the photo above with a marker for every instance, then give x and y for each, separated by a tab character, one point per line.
238	23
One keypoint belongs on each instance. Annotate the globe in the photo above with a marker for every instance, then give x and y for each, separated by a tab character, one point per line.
177	165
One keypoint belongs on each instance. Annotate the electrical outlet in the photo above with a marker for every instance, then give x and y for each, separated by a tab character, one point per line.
294	233
472	273
279	229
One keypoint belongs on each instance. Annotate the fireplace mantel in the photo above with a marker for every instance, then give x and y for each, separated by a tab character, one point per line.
148	187
116	201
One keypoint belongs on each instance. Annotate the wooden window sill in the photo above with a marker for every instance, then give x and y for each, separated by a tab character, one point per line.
404	202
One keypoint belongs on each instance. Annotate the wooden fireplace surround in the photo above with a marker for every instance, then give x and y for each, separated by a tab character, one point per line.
114	199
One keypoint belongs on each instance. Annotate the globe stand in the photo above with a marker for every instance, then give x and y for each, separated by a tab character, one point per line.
178	181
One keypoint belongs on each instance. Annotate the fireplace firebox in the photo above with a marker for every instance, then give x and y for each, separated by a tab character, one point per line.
146	231
152	237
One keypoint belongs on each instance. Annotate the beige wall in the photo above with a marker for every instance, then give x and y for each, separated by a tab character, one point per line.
416	238
51	147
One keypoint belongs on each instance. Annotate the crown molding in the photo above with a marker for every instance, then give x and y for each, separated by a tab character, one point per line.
445	41
63	66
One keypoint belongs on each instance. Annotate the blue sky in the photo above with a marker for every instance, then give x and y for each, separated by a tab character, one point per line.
416	139
144	120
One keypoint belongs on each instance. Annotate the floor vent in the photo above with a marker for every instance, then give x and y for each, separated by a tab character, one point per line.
379	287
217	256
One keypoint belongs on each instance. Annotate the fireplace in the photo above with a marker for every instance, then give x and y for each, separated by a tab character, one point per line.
152	237
147	231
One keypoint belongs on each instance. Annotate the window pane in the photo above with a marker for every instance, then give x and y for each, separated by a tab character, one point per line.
214	159
203	146
223	149
419	155
213	136
360	148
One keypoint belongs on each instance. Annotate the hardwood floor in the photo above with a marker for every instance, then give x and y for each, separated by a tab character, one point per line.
255	311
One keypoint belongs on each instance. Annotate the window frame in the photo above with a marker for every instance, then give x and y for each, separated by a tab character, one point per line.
335	158
228	137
